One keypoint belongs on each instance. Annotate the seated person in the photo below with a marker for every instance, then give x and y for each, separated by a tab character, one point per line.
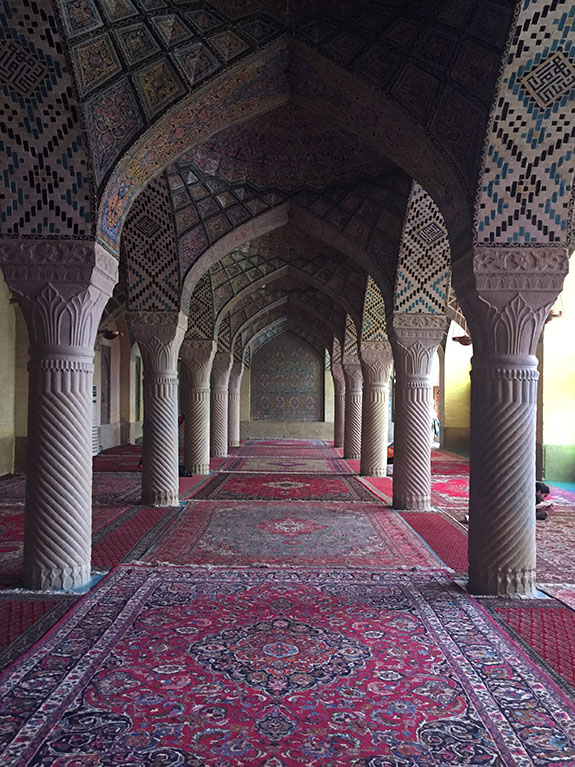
542	506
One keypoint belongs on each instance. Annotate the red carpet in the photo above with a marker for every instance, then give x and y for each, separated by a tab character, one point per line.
280	668
23	620
117	463
380	486
284	443
275	452
546	627
285	464
446	538
259	487
304	533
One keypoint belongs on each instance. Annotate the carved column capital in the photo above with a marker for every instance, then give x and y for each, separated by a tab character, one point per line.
236	374
198	355
376	362
221	369
353	374
415	338
159	336
506	294
62	288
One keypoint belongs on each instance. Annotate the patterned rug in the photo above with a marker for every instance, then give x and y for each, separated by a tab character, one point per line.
195	668
380	486
286	465
284	442
117	463
541	626
447	539
565	592
278	487
23	620
276	533
279	452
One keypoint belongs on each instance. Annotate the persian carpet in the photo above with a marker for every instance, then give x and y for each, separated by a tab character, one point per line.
542	626
555	546
285	465
447	539
116	488
237	668
565	592
24	619
449	467
261	487
116	463
278	452
13	490
380	486
305	533
284	442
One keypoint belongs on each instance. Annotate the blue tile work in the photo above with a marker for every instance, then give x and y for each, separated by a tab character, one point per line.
350	346
148	250
373	326
526	187
201	310
224	338
424	258
45	169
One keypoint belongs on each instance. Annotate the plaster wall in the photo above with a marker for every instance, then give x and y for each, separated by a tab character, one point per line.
329	397
245	395
557	389
7	380
456	388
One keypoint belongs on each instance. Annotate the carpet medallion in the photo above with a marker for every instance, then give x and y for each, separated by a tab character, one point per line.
284	465
246	487
276	533
238	668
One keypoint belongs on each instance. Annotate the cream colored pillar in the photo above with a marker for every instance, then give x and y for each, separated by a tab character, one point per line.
159	336
197	355
376	363
234	404
506	294
339	404
353	400
219	382
62	288
415	338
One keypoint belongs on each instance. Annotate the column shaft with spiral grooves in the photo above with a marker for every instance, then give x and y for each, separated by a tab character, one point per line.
376	363
159	336
353	402
339	404
234	404
62	291
197	355
415	339
502	536
506	294
219	382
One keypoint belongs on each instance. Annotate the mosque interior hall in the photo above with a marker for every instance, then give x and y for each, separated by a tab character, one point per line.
287	425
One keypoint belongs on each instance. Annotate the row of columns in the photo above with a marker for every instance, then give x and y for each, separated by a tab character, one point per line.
506	294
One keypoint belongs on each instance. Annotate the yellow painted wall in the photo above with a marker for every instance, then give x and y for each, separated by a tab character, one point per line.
557	383
7	379
456	387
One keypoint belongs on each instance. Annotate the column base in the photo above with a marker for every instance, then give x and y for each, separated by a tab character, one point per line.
219	455
234	444
505	583
161	498
199	468
352	456
373	471
338	444
412	504
49	578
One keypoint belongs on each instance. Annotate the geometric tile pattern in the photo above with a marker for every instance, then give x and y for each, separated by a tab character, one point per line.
45	180
201	310
424	258
527	177
148	250
350	345
373	325
224	337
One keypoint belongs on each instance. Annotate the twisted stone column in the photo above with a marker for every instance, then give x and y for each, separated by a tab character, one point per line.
220	377
339	404
506	294
197	356
415	338
159	336
234	404
376	362
62	288
353	400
